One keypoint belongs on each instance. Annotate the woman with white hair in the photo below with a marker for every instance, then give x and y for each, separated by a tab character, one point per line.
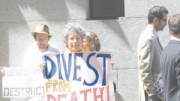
73	37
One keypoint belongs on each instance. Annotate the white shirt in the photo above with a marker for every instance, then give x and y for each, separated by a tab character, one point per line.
33	57
174	38
155	33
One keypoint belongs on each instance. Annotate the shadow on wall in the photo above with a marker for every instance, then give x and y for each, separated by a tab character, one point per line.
49	10
20	11
117	29
34	10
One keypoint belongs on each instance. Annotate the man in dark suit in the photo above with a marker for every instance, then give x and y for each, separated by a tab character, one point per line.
170	62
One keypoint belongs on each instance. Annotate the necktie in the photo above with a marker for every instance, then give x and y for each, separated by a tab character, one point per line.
159	43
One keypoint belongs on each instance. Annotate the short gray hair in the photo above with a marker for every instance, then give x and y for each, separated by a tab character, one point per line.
174	24
73	27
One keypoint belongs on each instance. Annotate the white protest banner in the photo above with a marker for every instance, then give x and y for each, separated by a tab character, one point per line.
68	77
22	82
78	77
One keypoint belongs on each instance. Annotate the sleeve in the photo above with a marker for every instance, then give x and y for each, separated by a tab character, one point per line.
146	55
177	69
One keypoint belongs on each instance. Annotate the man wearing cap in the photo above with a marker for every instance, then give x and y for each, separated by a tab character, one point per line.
34	56
41	35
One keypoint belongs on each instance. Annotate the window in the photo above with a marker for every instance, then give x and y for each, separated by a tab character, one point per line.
106	9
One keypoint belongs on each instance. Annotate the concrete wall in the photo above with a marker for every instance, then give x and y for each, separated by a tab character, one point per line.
18	19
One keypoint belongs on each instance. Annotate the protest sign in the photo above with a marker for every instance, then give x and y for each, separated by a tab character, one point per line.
22	82
78	77
66	77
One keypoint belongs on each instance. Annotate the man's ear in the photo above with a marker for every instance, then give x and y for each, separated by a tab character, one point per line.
155	20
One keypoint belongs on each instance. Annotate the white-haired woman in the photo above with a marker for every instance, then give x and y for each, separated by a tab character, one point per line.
73	37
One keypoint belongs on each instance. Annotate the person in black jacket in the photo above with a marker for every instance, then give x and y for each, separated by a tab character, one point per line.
170	62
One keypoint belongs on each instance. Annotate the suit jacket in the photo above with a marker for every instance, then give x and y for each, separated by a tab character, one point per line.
170	64
148	61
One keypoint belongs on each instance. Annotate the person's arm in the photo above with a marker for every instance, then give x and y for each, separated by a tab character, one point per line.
145	64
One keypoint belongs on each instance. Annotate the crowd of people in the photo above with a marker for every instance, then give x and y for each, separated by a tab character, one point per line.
159	69
76	39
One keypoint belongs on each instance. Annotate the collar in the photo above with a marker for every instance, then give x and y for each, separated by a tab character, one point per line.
155	33
174	38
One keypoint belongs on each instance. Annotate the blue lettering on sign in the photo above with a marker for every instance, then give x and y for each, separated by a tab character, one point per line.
94	70
65	63
67	69
77	67
59	67
50	74
104	56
